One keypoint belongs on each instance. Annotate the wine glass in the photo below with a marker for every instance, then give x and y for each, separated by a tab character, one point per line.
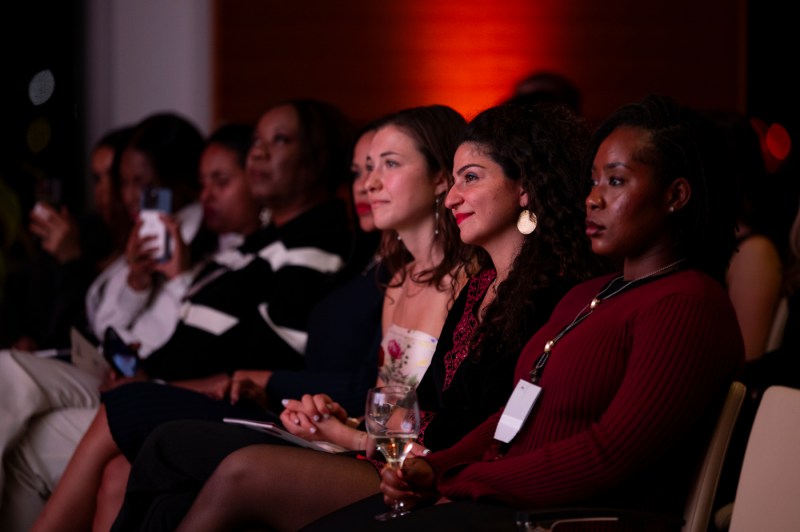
392	420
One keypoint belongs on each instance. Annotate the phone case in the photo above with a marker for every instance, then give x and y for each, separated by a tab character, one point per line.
122	357
154	202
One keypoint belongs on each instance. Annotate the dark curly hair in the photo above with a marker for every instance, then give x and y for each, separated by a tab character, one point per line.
542	147
436	130
684	143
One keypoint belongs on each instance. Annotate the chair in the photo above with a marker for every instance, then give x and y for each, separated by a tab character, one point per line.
778	325
699	504
768	493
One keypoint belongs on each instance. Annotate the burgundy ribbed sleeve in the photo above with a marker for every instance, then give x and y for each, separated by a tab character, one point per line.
624	394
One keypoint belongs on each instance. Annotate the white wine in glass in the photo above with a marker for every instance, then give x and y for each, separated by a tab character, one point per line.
392	419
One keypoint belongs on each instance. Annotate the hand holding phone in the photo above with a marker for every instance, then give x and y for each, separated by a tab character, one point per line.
122	357
154	202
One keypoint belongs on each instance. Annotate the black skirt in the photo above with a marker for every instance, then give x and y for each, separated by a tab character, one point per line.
134	410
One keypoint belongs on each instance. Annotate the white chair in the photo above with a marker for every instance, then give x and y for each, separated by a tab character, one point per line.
768	493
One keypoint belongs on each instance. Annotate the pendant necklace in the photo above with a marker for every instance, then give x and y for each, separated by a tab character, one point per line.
536	372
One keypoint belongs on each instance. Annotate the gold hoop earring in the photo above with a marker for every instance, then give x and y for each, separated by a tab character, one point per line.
526	223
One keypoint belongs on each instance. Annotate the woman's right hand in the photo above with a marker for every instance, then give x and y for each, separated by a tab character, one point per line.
412	484
316	407
58	231
316	417
139	253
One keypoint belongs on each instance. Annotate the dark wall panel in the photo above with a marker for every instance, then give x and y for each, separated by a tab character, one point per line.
375	57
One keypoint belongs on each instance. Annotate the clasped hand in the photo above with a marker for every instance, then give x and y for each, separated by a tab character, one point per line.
318	417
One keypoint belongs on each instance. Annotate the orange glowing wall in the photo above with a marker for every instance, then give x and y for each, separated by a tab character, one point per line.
373	57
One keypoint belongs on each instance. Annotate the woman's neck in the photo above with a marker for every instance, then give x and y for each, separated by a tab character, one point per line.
504	252
650	265
423	245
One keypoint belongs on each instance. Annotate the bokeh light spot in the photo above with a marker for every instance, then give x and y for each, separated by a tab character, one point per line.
41	87
778	141
39	133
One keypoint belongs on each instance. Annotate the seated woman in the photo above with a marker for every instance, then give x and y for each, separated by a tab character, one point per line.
50	296
248	307
755	272
344	328
630	368
162	149
516	196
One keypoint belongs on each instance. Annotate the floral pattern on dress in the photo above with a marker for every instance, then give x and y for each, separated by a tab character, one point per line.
405	354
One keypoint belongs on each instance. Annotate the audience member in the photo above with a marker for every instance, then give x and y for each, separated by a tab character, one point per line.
344	328
49	404
630	369
516	196
247	308
30	386
755	272
340	359
141	302
48	297
545	86
777	367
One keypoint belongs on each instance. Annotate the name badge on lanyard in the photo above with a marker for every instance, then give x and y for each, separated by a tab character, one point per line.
517	409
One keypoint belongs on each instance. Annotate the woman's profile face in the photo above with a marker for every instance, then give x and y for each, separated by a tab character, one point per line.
627	208
136	172
361	172
401	188
274	168
228	204
483	200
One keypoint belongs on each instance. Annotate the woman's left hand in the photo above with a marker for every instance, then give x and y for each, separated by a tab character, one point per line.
412	484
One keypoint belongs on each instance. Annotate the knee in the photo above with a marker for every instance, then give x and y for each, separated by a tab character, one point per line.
114	479
235	469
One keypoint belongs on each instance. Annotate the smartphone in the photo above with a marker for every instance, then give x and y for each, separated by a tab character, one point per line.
154	202
122	357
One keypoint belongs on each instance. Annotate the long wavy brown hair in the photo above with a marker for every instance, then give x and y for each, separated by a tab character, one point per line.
436	130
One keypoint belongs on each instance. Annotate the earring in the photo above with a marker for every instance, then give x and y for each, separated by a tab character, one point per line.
264	216
671	208
436	216
526	223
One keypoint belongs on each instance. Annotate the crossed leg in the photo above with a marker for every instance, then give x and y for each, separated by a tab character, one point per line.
278	487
